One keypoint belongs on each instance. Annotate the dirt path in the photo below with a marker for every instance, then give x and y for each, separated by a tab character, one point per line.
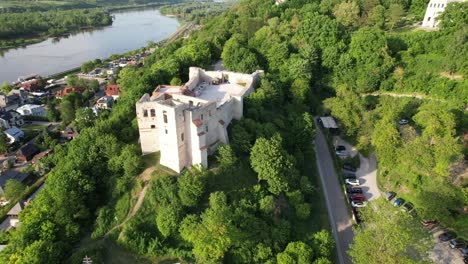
145	177
413	95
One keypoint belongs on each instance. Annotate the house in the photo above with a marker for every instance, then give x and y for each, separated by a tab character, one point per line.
186	123
279	2
10	119
31	86
27	152
69	133
41	155
13	134
11	175
22	95
14	213
68	90
9	102
434	9
104	102
31	110
113	90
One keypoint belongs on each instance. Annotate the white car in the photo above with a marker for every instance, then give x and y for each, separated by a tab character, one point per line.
351	181
403	121
358	204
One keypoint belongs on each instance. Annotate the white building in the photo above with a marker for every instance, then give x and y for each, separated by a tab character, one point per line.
31	110
434	9
14	134
186	123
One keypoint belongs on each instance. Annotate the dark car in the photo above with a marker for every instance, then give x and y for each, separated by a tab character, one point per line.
407	207
464	252
457	243
353	190
349	167
398	202
447	236
348	175
341	150
465	260
390	195
357	197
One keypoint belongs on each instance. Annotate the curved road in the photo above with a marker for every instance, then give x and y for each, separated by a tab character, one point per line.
335	199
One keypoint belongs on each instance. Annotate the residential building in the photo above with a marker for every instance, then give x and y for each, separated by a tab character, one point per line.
21	95
13	134
68	90
104	102
113	90
10	119
14	212
186	123
11	175
27	152
31	110
434	9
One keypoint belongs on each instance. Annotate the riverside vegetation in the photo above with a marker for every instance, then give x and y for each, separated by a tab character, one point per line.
260	203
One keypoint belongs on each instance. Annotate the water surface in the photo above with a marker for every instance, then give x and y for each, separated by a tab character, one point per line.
131	30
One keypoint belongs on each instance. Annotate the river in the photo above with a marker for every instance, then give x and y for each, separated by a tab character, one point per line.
132	29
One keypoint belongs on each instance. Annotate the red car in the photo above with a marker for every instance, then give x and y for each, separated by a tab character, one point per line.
358	197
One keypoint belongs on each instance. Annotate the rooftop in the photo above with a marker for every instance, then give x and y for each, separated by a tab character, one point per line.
218	93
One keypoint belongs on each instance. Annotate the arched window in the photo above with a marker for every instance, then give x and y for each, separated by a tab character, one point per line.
145	113
153	112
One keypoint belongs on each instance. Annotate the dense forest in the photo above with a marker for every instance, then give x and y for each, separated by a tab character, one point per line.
260	202
51	22
195	11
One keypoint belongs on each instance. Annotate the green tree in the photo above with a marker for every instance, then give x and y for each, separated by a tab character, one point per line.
6	87
53	115
377	17
3	143
13	189
87	66
296	252
191	186
168	219
84	118
347	13
395	13
226	157
389	236
273	164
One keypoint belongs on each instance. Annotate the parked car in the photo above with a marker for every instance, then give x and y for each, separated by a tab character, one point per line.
349	167
358	204
352	182
358	197
403	121
464	251
465	260
353	190
398	202
348	175
457	243
390	195
407	207
447	236
341	150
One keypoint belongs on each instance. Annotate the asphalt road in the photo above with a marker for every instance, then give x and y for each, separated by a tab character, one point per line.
337	211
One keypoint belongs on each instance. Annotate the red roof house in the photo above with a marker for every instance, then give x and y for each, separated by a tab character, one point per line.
113	90
68	90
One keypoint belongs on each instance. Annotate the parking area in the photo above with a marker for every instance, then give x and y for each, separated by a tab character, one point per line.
367	171
442	253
